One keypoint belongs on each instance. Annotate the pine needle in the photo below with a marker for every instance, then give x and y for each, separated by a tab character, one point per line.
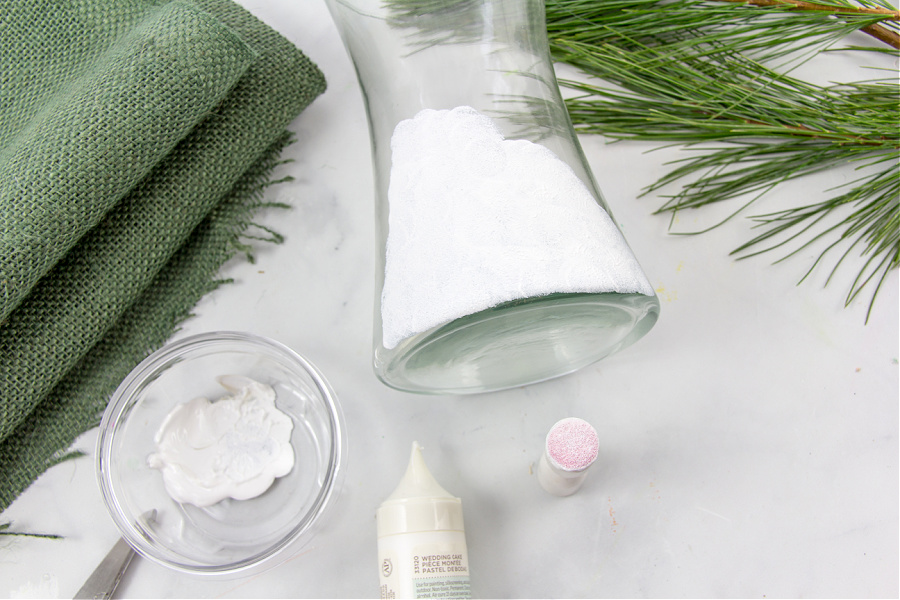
4	530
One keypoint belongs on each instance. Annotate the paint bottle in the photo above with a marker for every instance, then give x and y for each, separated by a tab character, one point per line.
571	446
421	539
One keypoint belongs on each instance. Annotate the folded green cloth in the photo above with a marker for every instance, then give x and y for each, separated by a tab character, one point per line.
135	139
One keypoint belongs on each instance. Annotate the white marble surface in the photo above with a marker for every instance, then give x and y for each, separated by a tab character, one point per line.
748	443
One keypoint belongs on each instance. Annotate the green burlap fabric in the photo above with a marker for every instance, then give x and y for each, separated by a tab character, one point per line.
136	137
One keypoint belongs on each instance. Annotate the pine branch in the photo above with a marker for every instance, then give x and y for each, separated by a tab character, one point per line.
877	31
882	34
893	15
693	72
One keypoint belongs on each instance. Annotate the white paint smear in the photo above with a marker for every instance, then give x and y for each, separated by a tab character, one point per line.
477	220
234	447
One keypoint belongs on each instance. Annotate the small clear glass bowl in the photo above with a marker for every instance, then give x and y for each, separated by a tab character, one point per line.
231	537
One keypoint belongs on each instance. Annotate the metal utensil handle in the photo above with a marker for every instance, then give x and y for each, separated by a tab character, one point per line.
106	576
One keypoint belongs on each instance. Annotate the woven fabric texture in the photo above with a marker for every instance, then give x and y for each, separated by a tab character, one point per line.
135	137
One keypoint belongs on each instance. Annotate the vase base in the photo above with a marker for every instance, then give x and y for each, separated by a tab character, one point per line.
517	343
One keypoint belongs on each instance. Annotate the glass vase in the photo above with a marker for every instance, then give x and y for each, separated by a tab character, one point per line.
498	263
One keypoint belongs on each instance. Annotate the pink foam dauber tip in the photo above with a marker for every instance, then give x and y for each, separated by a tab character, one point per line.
573	444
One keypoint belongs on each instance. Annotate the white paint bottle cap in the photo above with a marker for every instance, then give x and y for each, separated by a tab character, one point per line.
570	448
419	503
